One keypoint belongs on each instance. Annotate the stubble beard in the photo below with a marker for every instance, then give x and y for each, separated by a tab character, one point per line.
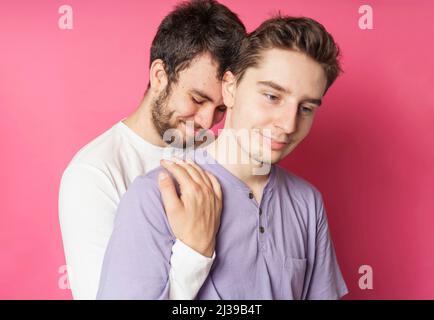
161	118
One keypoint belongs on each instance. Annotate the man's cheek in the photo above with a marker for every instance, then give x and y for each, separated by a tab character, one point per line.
187	113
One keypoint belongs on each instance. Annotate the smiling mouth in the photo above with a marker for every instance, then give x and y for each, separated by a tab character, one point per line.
196	129
274	144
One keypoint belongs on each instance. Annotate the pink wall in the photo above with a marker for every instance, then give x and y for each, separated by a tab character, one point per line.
370	152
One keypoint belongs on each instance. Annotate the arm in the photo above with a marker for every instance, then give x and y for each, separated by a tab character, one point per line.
194	217
87	206
137	261
189	270
88	202
326	282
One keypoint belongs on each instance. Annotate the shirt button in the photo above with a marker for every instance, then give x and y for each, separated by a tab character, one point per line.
261	229
251	195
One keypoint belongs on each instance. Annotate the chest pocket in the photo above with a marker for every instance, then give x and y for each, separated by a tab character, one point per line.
292	281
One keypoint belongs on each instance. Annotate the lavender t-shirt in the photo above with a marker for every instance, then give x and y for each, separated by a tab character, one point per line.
277	249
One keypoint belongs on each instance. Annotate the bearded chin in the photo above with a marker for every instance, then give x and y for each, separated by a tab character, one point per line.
160	115
167	129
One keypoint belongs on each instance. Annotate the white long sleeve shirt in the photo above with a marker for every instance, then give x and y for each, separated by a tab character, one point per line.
90	191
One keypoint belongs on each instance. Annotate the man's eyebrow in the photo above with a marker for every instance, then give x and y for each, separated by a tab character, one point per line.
314	101
273	85
277	87
202	94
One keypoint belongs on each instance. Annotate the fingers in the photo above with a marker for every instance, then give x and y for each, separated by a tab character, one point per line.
215	185
192	171
179	173
201	172
186	182
171	202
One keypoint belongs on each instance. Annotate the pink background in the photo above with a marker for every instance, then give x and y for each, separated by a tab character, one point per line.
370	151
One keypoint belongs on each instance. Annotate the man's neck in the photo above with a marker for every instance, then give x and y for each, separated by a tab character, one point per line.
140	121
243	170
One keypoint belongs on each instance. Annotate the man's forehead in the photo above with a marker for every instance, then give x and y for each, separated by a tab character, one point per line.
204	62
205	85
293	71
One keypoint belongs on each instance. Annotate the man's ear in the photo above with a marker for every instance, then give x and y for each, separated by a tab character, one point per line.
228	89
157	75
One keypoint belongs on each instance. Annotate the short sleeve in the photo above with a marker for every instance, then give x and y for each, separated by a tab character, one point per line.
326	281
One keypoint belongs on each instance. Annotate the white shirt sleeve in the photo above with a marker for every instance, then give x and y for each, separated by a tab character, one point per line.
189	270
88	203
87	206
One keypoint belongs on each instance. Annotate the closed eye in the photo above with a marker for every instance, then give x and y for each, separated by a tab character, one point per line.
200	102
271	97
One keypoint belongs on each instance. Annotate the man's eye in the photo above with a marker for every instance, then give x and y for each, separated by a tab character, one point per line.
197	101
306	110
271	97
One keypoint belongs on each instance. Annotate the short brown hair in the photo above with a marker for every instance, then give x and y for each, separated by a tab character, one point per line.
295	33
195	27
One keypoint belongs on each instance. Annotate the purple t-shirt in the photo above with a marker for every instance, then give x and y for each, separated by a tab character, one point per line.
278	249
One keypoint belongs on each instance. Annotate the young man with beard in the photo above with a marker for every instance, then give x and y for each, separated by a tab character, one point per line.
273	240
193	47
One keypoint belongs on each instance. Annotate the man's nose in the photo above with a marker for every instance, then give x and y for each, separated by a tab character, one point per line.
287	119
204	117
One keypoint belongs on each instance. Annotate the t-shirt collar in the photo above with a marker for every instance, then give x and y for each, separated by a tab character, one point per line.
203	158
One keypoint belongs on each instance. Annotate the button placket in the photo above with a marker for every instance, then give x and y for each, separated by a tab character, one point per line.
261	228
263	216
261	221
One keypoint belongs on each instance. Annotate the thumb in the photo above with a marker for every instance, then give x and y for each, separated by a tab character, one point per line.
169	196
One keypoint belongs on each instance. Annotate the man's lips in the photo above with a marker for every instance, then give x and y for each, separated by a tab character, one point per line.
196	130
274	143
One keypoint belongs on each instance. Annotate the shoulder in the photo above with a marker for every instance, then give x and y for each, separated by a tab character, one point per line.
93	164
305	198
147	183
142	202
297	186
101	150
145	192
